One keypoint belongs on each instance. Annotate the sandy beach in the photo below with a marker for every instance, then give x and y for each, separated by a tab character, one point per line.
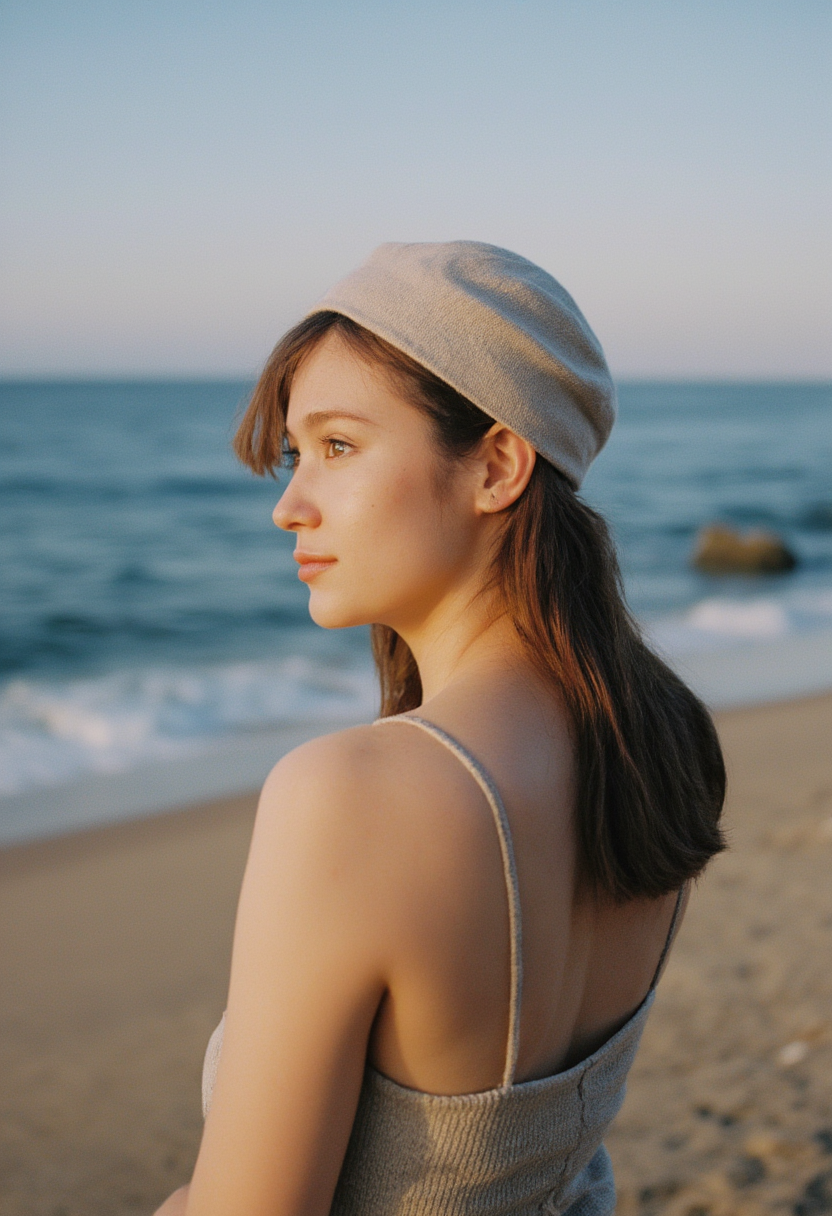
114	957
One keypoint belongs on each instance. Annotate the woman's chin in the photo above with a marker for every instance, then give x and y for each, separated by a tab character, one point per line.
334	616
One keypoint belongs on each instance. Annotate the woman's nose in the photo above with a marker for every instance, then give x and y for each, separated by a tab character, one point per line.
294	509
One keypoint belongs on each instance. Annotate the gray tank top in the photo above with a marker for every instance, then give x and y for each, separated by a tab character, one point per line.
522	1148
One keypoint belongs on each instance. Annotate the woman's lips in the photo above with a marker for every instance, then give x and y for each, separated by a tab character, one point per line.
311	564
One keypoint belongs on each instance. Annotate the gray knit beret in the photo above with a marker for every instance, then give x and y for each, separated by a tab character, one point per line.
499	330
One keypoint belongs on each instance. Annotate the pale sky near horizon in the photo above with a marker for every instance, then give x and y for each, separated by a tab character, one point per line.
181	180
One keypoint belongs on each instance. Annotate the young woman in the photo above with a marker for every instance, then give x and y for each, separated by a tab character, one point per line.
452	921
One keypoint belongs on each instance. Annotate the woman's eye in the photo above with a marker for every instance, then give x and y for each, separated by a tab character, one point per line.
337	447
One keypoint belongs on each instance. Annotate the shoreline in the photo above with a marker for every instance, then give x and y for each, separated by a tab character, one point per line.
115	943
228	767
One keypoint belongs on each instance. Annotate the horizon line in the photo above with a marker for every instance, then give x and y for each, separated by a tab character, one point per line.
127	377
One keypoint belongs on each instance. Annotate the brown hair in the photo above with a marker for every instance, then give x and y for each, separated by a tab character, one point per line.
650	775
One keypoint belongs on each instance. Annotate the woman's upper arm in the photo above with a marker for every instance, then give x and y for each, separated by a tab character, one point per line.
307	975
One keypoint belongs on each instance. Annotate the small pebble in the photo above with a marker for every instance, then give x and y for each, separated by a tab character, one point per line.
746	1171
792	1053
816	1198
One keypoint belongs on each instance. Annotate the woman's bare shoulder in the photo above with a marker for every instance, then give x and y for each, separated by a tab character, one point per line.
384	790
349	765
322	761
323	918
339	773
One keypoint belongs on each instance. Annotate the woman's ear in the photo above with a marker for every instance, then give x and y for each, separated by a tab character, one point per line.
504	465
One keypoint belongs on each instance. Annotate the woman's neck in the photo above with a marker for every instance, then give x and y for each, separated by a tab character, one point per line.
463	644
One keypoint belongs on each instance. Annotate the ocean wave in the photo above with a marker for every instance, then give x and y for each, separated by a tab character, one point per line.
52	732
719	622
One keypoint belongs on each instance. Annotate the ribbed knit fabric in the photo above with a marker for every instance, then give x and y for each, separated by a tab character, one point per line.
529	1148
534	1147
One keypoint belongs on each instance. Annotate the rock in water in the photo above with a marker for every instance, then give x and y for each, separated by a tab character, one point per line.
722	550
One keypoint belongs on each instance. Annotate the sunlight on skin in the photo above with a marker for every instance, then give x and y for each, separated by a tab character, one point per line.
405	543
372	920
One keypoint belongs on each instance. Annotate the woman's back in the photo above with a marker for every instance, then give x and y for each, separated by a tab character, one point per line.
587	964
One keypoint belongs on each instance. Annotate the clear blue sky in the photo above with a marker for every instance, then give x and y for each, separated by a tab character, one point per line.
181	180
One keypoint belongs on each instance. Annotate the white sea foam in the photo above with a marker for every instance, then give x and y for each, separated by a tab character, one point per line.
718	623
53	732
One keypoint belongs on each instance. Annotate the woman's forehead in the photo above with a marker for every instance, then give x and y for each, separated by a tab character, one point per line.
335	381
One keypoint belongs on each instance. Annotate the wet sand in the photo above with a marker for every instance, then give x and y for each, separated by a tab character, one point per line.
114	948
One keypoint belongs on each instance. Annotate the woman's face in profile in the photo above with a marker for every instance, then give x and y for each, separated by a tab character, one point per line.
386	530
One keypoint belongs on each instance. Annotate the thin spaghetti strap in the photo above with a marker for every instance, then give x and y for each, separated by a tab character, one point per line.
498	810
671	933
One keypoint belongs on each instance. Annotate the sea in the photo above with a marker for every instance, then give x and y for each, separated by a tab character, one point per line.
155	645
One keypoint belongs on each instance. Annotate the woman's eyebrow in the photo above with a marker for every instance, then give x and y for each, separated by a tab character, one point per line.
322	417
